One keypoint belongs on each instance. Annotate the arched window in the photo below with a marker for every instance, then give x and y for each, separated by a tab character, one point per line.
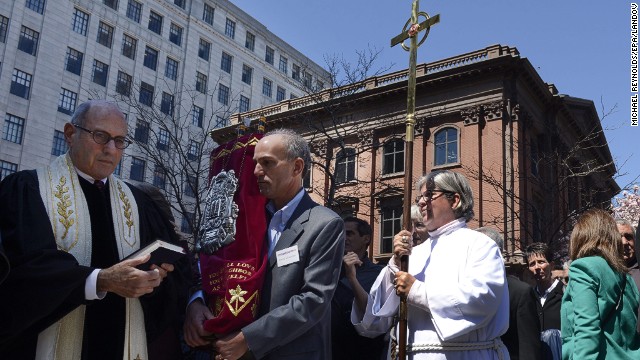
345	165
446	146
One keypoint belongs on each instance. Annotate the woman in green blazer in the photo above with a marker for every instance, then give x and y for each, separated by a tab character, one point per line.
592	326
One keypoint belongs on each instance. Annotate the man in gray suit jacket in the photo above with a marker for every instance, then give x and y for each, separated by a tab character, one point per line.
306	244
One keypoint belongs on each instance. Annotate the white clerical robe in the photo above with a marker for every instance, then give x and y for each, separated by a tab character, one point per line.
459	296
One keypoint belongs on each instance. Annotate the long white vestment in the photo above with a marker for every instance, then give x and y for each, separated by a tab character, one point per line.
459	296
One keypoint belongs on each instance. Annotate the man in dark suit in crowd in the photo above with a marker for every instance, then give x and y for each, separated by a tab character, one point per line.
306	245
4	264
523	336
628	234
357	276
548	292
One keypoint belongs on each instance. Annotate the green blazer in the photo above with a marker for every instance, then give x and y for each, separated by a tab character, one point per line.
590	295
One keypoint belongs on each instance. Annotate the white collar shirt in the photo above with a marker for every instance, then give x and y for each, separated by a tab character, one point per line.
543	297
280	218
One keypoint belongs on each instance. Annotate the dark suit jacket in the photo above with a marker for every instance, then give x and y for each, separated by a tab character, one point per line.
295	321
4	264
522	339
346	343
549	314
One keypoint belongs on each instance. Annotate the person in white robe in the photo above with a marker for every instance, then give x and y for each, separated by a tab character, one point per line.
458	303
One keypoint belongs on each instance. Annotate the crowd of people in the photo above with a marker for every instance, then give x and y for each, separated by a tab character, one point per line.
69	289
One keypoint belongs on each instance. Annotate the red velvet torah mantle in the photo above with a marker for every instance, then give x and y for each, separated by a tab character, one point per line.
232	276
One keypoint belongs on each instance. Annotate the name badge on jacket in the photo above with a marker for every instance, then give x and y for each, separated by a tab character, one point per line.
287	256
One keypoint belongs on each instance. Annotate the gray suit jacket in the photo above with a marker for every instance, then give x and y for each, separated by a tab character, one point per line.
295	316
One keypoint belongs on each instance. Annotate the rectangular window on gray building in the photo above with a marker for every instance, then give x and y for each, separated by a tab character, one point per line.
146	94
281	93
137	169
155	22
129	46
250	41
230	28
245	103
80	22
111	3
175	34
171	69
220	122
163	140
150	58
73	63
266	87
201	82
123	85
67	103
4	26
207	14
13	128
295	72
194	150
20	84
166	105
141	133
197	115
306	79
35	5
269	55
159	177
283	66
204	49
134	10
223	94
247	74
225	62
28	41
100	73
190	184
7	168
105	35
187	220
59	144
180	3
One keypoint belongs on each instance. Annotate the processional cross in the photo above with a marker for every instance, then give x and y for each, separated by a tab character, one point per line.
411	33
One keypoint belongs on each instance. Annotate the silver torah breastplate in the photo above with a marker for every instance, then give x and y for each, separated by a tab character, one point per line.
218	228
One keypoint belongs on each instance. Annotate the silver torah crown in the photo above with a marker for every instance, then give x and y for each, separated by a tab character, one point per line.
218	228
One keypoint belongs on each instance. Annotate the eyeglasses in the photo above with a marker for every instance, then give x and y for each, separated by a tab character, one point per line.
102	138
428	195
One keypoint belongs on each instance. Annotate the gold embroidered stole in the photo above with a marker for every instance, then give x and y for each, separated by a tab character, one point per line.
68	212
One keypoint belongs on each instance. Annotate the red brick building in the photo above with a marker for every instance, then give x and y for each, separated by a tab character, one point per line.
535	158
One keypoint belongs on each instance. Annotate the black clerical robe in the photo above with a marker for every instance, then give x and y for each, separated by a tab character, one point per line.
45	283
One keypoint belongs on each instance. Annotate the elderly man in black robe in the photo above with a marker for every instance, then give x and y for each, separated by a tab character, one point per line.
67	229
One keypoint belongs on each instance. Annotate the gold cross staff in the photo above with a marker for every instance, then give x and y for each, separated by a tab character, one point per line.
411	33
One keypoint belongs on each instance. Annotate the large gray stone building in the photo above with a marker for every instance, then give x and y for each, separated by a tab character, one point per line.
194	60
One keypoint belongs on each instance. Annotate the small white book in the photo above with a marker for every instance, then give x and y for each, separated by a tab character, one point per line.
161	252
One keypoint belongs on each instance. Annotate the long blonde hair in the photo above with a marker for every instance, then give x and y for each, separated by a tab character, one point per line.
596	234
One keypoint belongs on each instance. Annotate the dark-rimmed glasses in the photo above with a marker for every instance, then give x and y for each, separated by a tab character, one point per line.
102	138
428	195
